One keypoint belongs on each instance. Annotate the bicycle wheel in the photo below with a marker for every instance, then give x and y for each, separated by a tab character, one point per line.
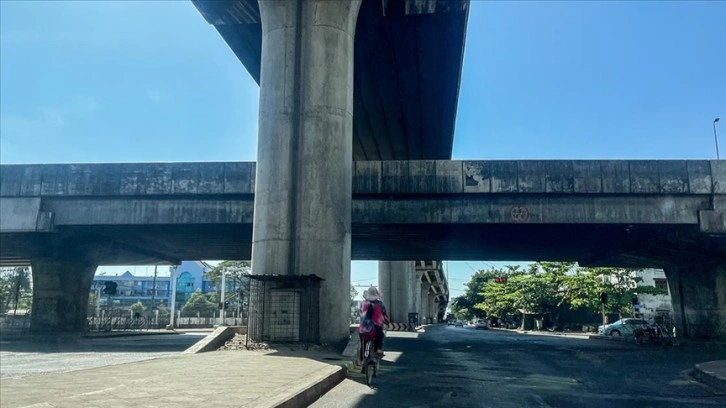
369	363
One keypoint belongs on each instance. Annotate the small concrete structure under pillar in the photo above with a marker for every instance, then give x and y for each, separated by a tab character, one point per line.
698	296
60	295
303	183
398	282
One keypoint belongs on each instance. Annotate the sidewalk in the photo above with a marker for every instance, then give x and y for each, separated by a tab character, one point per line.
215	379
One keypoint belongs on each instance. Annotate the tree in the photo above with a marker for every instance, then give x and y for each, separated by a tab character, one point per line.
15	288
237	281
465	307
353	305
163	310
137	309
237	271
198	303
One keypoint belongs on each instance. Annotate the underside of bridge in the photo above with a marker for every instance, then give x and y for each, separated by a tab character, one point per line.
408	61
589	244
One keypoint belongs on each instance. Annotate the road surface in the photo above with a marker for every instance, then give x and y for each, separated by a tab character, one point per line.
462	367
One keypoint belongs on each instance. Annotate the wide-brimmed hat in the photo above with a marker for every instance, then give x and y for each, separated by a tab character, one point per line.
372	293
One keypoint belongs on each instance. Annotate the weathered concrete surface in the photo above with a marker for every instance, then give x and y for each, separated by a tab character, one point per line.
219	379
303	180
150	212
578	177
399	283
712	373
216	339
21	214
60	294
698	296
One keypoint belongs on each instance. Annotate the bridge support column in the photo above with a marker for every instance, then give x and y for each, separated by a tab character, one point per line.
399	285
304	158
423	313
698	296
433	308
60	295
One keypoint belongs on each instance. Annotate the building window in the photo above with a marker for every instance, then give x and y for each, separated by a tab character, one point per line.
661	284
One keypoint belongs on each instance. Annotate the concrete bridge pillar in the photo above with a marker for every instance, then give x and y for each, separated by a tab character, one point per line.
304	158
60	295
423	313
698	296
433	308
399	284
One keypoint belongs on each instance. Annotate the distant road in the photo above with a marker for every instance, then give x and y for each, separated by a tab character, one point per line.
27	358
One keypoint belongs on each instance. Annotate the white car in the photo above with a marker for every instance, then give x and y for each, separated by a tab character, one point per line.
481	324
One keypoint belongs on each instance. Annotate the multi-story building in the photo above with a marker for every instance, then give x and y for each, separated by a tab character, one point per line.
131	289
651	307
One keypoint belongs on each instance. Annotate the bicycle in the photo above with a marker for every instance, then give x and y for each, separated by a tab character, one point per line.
654	334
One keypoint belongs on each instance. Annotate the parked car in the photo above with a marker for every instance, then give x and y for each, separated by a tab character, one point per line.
481	324
623	327
459	323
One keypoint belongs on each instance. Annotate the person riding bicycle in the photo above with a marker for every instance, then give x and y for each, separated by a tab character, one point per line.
373	316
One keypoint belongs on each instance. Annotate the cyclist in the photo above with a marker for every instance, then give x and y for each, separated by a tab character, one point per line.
373	316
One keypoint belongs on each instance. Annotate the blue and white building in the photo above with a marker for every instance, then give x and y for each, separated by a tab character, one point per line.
131	289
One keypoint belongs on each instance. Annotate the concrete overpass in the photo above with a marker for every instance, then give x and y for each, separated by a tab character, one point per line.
587	211
407	69
668	214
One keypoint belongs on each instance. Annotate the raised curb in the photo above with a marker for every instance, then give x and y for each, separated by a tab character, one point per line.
306	394
712	373
215	339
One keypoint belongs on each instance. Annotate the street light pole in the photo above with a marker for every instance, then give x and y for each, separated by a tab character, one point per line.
715	138
221	303
172	301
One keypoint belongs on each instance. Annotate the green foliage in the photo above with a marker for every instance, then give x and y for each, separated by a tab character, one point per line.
621	286
137	307
15	289
237	280
163	310
549	288
200	304
237	272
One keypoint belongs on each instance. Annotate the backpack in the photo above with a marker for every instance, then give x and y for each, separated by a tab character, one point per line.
367	328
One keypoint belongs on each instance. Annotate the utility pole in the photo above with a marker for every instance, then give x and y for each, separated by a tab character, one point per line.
221	299
172	301
715	138
153	290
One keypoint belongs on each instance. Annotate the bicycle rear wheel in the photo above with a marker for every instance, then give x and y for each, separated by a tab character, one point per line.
369	363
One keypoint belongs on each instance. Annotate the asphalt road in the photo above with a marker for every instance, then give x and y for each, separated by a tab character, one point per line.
462	367
38	356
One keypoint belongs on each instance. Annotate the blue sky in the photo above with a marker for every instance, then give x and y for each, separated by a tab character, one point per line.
152	81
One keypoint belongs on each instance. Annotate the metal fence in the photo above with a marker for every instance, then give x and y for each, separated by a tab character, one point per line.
284	308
